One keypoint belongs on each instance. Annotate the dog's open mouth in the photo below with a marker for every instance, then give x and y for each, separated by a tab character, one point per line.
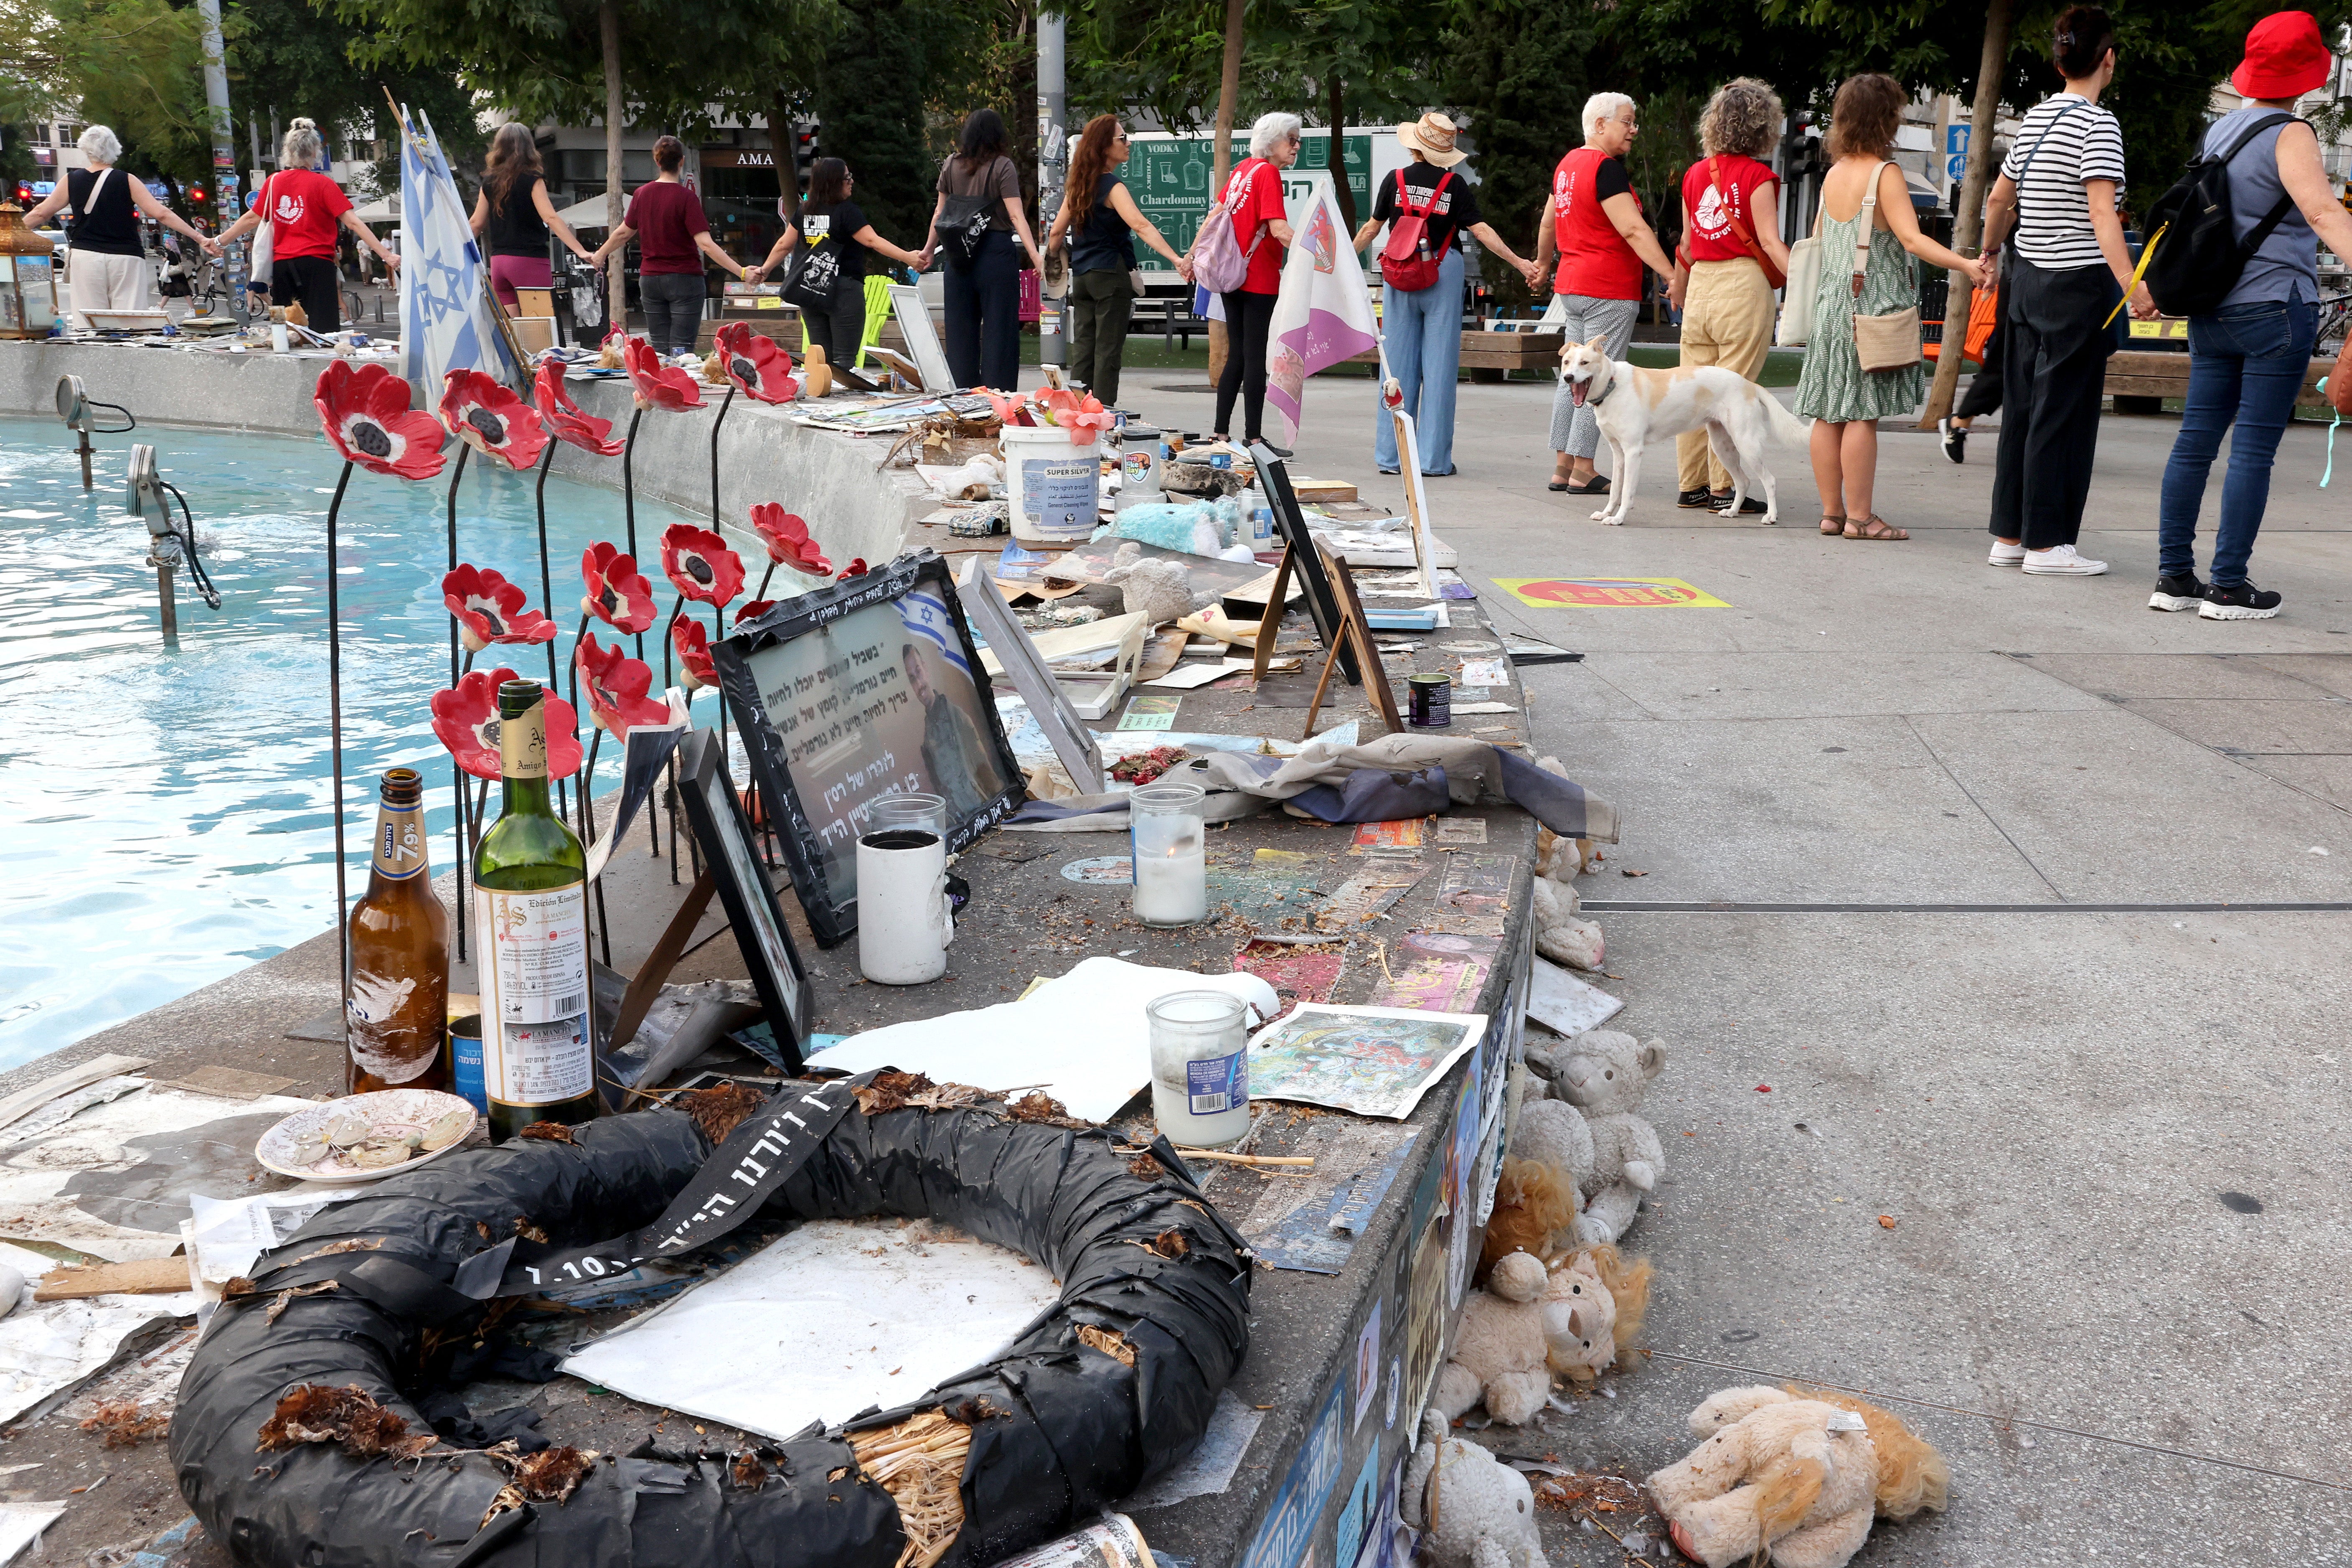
1576	391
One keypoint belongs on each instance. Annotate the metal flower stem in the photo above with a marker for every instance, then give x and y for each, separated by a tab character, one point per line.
575	714
629	495
667	626
765	578
546	594
335	748
724	405
588	815
456	773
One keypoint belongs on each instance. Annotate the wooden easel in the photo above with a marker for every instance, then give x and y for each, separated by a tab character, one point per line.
1351	630
645	985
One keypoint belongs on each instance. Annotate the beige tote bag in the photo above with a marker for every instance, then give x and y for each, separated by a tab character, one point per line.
1890	341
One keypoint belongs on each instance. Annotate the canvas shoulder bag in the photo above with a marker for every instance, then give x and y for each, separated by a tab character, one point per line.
1804	288
1773	276
814	276
1406	262
1888	342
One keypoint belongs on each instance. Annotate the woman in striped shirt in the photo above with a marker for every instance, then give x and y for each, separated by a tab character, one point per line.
2058	185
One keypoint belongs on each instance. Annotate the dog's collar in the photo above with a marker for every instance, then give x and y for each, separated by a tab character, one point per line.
1593	402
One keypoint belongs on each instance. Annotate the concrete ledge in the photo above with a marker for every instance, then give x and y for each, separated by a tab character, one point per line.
853	506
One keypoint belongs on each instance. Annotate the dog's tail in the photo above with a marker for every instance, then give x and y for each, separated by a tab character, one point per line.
1786	426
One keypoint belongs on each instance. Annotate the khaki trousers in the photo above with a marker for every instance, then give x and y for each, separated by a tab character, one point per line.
1726	321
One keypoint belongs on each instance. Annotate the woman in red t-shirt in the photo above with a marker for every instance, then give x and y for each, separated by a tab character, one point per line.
1253	195
303	209
1730	216
1594	220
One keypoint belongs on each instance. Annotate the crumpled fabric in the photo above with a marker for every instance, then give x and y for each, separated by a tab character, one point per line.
1242	784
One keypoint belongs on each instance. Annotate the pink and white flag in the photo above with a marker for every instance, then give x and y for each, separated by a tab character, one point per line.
1322	316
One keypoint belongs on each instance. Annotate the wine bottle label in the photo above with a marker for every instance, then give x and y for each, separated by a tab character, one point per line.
535	968
399	843
539	1064
522	743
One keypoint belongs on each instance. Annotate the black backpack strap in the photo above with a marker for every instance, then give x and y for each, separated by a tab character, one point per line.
2277	214
2276	117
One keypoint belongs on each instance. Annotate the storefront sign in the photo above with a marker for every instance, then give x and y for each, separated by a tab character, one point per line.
1169	178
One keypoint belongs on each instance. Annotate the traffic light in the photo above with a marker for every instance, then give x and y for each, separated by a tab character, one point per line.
24	193
804	151
195	193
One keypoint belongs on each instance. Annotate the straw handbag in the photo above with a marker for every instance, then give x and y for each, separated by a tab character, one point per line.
1890	341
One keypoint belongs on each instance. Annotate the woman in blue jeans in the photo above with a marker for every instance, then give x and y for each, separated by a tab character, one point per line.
1421	329
2248	359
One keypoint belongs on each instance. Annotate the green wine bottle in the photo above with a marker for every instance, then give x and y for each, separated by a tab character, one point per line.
530	914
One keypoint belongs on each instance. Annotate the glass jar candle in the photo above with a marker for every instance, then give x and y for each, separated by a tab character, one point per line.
1172	859
1200	1068
903	924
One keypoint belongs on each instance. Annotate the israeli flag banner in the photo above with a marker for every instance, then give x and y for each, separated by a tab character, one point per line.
926	616
444	315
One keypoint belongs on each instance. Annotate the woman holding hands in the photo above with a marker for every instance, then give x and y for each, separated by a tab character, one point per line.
832	219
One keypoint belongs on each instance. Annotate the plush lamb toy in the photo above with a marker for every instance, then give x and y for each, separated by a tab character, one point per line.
1159	589
1604	1075
1799	1475
1500	1349
1475	1511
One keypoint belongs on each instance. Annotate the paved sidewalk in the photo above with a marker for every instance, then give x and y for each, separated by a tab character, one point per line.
1956	838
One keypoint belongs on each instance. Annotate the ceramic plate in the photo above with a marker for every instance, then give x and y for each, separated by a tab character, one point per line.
391	1113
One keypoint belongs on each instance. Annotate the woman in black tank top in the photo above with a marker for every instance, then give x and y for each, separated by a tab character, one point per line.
107	266
514	217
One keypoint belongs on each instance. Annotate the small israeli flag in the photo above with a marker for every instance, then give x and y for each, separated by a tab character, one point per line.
926	616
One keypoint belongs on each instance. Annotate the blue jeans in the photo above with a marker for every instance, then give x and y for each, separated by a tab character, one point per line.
1422	332
2246	364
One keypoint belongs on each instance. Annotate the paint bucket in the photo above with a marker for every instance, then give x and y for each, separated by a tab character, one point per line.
1429	701
1114	1542
904	923
1055	486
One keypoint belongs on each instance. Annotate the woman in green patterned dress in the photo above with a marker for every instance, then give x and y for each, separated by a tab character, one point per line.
1844	401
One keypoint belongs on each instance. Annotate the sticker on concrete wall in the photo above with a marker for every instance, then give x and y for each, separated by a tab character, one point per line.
1609	594
1359	1514
1367	1369
1282	1539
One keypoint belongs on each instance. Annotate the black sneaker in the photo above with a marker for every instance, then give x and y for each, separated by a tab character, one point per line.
1748	505
1956	446
2238	602
2181	593
1697	499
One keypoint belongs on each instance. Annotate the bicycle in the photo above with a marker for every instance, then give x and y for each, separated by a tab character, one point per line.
2335	319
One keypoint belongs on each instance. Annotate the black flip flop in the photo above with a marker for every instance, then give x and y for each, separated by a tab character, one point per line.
1598	487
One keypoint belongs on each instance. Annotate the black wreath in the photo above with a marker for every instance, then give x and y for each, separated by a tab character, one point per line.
1059	1429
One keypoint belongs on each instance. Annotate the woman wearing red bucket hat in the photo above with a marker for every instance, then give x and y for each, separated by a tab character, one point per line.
2248	358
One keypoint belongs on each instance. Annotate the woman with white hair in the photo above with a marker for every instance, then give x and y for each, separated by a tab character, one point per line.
1594	220
108	268
303	208
1731	235
1254	196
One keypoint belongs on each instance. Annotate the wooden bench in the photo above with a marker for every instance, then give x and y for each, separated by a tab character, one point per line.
1488	356
2141	380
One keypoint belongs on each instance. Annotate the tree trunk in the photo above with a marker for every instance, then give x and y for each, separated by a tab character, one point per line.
1968	215
1221	150
785	150
608	21
1338	161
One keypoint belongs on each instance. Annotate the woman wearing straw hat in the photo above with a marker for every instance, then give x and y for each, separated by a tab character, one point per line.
1421	329
2248	359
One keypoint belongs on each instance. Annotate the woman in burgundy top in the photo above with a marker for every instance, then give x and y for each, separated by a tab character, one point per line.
1594	220
665	219
1253	195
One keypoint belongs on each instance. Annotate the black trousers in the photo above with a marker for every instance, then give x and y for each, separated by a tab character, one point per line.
839	330
1983	395
2056	357
312	280
1247	319
984	301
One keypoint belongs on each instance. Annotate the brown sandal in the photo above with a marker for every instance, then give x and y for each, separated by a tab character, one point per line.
1832	524
1874	527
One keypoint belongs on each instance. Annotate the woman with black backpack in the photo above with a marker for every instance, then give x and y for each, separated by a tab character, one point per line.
2250	349
975	222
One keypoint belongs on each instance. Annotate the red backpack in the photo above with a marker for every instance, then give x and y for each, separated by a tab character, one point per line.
1406	260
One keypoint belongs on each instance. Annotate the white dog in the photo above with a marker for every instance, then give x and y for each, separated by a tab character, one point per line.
1636	406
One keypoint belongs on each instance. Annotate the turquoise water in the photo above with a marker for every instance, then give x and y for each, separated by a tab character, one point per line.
171	812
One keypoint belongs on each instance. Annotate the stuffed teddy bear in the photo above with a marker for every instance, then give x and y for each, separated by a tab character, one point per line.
1500	1349
1475	1511
1605	1075
1797	1474
1560	935
1535	1205
1593	1304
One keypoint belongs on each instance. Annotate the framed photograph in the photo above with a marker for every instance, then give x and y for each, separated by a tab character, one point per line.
922	340
1416	503
1290	522
1048	703
717	817
869	688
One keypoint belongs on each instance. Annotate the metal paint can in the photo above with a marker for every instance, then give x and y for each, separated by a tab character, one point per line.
1221	460
466	1061
1429	701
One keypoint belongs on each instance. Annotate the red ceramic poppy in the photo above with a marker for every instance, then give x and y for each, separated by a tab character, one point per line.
466	717
788	543
617	593
480	411
490	609
701	564
616	687
566	419
1011	409
755	364
1084	417
365	413
854	569
691	639
753	609
658	385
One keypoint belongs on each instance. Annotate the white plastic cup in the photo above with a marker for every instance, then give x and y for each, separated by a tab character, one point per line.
904	922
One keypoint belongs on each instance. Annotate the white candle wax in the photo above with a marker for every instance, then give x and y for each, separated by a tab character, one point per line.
1172	888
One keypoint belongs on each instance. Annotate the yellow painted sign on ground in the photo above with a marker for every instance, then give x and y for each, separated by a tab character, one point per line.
1609	594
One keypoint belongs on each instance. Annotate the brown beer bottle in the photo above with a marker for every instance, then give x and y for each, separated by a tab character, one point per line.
396	1016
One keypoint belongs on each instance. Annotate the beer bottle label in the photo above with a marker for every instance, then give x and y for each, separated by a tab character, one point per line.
399	843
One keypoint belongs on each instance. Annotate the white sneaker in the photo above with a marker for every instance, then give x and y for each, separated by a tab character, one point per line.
2006	555
2062	560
